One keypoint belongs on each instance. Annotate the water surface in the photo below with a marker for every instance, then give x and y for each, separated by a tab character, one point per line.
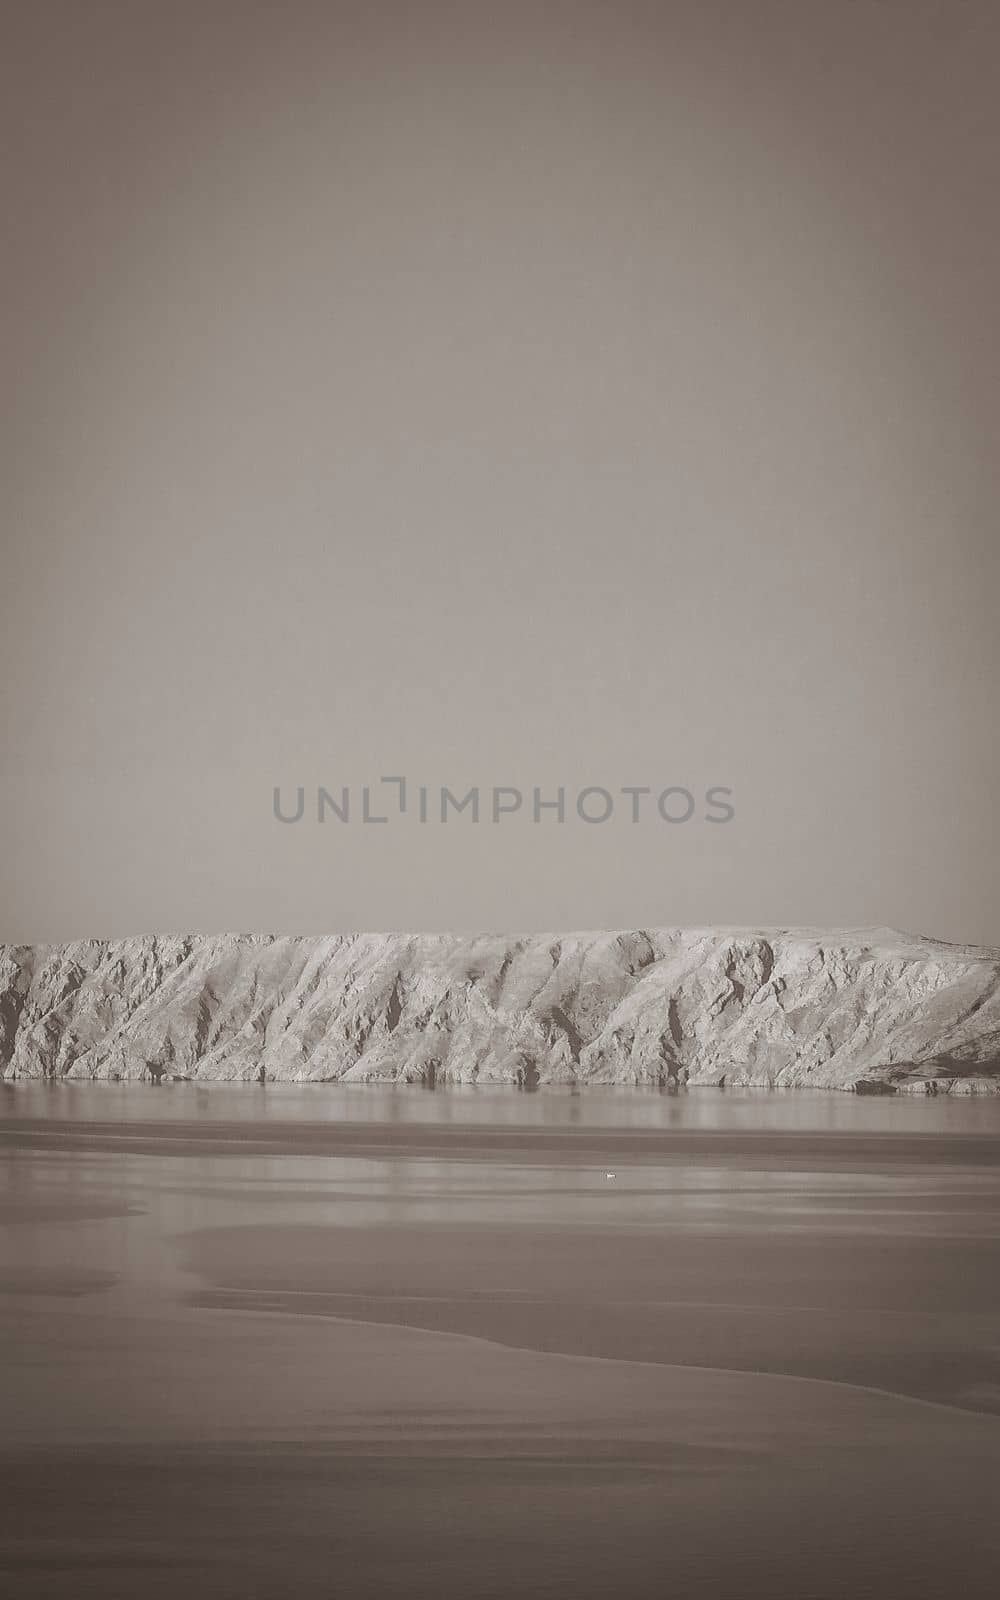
318	1340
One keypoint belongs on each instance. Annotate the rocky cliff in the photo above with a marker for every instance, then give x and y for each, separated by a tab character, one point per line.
873	1008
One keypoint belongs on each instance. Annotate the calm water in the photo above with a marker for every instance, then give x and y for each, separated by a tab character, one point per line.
364	1342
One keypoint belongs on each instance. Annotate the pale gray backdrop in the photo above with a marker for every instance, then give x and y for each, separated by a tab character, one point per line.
597	394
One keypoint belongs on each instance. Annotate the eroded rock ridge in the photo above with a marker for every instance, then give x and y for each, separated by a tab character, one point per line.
871	1008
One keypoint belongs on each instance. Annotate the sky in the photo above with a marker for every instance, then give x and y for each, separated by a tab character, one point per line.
523	397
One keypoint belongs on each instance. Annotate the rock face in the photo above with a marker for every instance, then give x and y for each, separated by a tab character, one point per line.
770	1008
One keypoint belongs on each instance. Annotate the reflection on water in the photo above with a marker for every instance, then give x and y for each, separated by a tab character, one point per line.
731	1110
361	1341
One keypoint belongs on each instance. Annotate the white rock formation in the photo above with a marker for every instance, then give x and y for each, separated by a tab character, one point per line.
658	1006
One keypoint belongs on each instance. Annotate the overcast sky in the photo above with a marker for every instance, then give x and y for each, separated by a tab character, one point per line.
594	395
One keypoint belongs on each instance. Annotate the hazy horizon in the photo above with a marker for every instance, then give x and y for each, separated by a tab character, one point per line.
866	930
